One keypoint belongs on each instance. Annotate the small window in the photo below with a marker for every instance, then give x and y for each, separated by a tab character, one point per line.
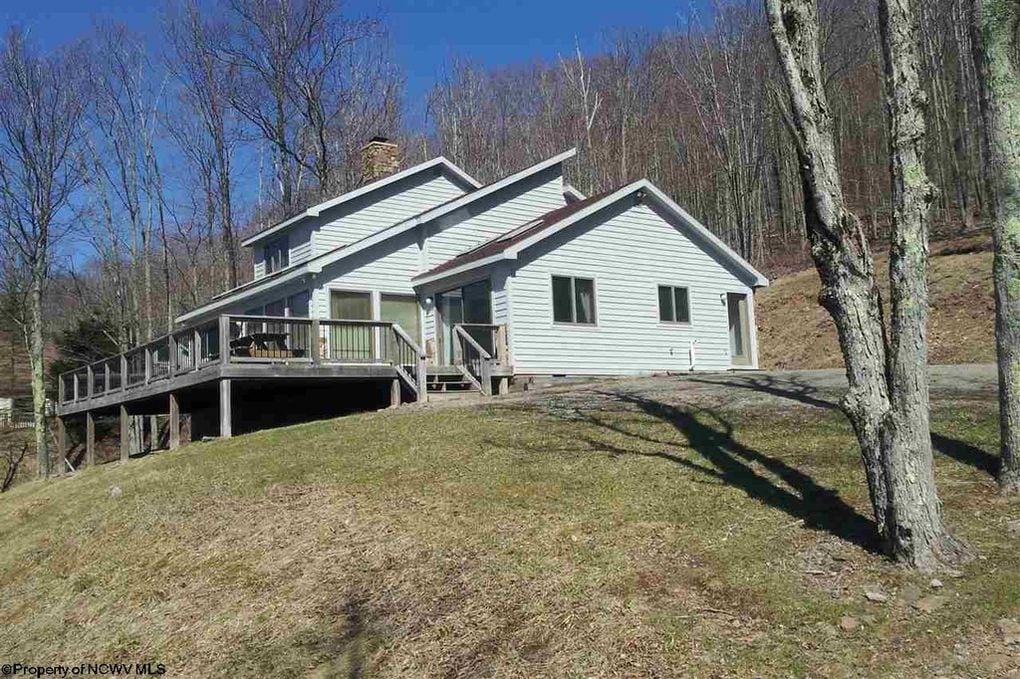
277	255
674	304
573	300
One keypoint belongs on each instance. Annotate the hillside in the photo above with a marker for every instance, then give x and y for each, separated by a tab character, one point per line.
795	332
616	530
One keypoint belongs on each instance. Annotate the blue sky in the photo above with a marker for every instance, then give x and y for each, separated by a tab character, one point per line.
426	33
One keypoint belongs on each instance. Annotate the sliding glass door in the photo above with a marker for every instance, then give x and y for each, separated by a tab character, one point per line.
350	342
469	304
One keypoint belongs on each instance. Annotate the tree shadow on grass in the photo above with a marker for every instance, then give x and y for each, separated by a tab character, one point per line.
964	452
711	437
795	390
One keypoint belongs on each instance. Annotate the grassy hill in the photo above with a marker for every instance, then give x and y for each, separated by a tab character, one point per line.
608	534
795	332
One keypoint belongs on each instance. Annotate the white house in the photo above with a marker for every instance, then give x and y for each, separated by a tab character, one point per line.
424	281
622	283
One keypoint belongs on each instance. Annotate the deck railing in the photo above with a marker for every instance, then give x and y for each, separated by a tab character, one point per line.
234	339
477	349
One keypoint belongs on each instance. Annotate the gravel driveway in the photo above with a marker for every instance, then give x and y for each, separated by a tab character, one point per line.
821	388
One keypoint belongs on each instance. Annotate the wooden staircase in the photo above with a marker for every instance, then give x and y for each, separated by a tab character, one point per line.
447	380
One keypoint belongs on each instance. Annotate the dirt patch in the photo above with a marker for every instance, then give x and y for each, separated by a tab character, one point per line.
795	332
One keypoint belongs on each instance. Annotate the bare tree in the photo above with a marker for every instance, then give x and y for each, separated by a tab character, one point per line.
14	455
996	26
206	131
894	450
42	105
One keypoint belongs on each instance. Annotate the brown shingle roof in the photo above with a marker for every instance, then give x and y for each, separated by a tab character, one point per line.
517	234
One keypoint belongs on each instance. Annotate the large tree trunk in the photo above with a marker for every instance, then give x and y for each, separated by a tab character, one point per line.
997	42
916	531
894	459
838	245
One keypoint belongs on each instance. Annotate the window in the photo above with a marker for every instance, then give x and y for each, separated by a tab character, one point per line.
297	304
573	300
674	304
277	255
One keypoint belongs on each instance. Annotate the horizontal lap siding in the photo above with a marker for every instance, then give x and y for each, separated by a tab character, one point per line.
385	268
384	213
300	242
629	255
512	211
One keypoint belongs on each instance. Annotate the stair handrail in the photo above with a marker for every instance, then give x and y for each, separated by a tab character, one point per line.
483	381
417	383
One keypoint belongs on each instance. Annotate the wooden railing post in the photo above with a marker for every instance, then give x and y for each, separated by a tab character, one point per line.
486	375
501	345
75	376
313	341
421	377
458	352
123	372
106	377
171	343
196	349
61	388
90	375
147	355
225	339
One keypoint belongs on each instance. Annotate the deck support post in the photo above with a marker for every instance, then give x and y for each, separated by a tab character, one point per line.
90	438
225	414
175	422
125	434
395	392
61	446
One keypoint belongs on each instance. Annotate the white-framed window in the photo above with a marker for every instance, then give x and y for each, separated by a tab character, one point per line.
674	304
277	254
573	300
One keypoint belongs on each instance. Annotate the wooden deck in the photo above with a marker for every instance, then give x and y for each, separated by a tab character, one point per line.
206	361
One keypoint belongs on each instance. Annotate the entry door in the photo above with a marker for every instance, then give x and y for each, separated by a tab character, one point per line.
350	342
740	336
469	304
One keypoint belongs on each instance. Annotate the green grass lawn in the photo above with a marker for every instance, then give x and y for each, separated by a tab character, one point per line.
619	538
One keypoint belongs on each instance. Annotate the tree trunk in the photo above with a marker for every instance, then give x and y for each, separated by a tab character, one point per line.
36	353
915	530
838	245
996	24
887	403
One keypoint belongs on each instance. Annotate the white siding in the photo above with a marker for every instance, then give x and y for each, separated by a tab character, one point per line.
629	253
353	221
299	245
386	268
260	261
495	215
300	242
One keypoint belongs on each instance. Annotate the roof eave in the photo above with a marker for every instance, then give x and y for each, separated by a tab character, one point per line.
429	278
317	210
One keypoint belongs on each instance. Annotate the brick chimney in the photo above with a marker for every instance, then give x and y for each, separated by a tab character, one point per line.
379	158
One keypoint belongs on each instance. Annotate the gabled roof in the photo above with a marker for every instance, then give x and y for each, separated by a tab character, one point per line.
316	264
460	175
509	244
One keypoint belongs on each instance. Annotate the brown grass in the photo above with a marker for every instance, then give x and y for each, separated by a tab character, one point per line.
795	332
588	538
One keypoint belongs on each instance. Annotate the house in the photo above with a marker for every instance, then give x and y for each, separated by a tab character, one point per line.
429	281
